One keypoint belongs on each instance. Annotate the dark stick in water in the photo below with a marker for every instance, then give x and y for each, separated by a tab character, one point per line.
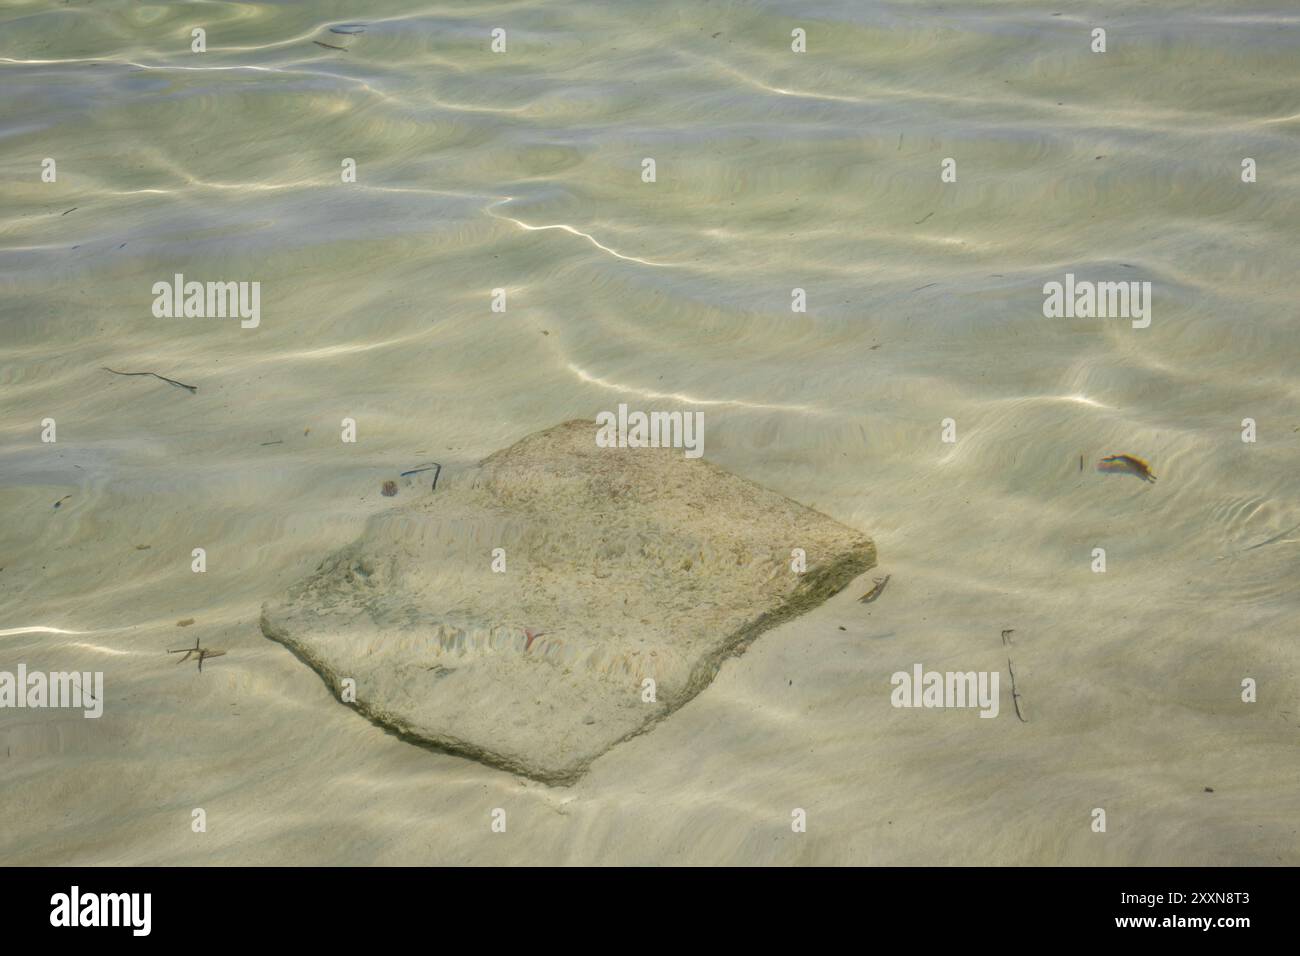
170	381
434	466
1015	695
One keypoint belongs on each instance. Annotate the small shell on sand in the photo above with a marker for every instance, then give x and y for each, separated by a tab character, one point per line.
1126	465
390	489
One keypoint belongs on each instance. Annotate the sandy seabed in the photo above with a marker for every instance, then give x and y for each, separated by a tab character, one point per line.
775	171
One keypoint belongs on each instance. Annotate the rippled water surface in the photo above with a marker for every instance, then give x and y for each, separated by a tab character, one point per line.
775	170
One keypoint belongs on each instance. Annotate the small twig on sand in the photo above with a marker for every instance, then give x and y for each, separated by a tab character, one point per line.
170	381
203	653
1015	695
1273	540
432	466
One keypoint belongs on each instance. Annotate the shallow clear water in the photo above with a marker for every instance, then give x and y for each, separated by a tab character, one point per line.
775	170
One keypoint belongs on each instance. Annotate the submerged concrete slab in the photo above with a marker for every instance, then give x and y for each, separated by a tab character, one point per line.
621	565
